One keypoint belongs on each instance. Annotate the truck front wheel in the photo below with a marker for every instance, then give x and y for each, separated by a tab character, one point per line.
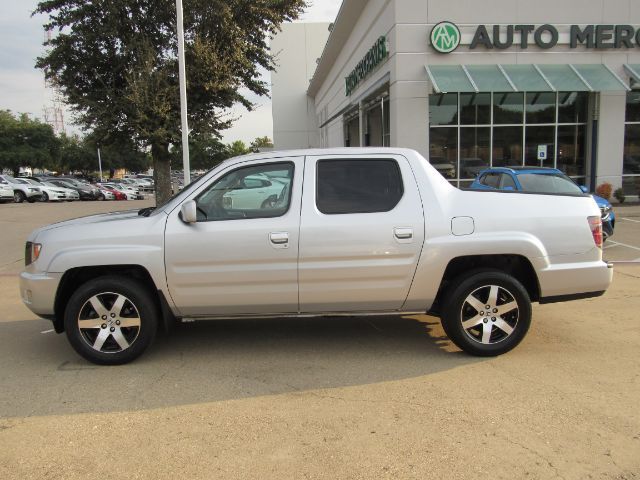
111	320
486	313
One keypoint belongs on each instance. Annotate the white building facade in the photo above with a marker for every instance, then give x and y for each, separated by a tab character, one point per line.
477	84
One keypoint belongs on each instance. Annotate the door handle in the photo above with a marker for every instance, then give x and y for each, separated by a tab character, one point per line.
279	238
403	233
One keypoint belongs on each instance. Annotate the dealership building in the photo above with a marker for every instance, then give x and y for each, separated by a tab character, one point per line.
470	84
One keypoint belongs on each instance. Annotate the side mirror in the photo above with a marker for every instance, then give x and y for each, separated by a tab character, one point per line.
188	212
584	189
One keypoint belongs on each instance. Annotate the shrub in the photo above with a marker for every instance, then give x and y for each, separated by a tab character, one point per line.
619	194
604	190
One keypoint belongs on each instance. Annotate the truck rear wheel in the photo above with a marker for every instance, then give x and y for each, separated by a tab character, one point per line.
111	320
487	313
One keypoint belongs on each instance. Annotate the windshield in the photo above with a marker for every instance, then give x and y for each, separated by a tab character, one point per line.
546	183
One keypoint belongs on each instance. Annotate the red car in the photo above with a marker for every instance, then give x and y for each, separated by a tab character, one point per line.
116	193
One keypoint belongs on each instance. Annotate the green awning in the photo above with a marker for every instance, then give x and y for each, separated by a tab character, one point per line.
525	78
633	71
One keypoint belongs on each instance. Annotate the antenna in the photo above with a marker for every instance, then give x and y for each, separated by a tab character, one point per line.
53	111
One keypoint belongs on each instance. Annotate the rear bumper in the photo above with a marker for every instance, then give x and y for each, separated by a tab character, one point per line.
38	292
574	280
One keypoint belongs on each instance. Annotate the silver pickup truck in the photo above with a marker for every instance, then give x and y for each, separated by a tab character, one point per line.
349	231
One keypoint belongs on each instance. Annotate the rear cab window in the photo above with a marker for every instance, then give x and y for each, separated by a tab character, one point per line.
358	186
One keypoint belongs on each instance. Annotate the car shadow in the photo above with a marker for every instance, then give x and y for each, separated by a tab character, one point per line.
219	360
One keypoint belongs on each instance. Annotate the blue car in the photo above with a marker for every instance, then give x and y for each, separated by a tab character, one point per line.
540	180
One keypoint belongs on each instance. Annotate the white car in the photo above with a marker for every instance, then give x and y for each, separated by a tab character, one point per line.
6	192
22	190
255	192
128	191
50	192
107	194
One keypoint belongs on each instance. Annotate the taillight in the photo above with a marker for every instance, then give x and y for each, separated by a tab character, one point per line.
595	224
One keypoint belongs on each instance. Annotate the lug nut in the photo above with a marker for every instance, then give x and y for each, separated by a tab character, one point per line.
485	320
488	307
113	329
481	313
493	319
113	315
104	325
117	322
495	310
104	317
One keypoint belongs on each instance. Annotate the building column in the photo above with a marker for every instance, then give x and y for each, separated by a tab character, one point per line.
610	149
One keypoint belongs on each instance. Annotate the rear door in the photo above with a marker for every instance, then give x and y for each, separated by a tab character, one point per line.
361	233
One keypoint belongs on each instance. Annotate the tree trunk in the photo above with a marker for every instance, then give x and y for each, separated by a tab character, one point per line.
16	172
161	171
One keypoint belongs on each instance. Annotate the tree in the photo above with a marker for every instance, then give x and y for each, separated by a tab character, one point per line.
260	142
116	63
25	142
236	149
205	152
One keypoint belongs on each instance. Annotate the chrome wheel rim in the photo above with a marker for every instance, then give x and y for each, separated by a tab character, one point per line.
489	314
109	322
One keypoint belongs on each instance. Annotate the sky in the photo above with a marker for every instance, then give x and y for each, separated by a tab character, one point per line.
22	87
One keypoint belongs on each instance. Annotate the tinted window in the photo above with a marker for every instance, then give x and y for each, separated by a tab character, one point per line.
358	186
491	180
532	182
245	193
507	181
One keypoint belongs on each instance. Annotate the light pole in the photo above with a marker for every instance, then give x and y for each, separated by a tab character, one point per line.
183	95
100	164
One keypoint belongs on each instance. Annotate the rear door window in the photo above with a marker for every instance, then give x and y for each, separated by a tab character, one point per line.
358	186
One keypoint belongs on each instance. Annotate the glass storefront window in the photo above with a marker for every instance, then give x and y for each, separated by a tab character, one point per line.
508	108
443	109
570	153
631	155
572	107
443	150
535	138
474	150
541	107
475	108
507	146
633	107
373	133
352	132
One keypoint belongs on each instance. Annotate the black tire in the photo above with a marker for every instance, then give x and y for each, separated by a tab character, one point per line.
487	331
100	197
44	197
19	196
138	306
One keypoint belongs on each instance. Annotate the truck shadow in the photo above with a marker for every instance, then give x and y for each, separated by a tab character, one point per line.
220	360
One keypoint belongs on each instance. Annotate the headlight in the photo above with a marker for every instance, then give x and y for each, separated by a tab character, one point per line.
31	252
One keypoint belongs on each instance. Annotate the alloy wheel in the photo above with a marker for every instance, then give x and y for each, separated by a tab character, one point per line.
109	322
489	314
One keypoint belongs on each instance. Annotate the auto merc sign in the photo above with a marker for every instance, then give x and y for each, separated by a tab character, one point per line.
446	37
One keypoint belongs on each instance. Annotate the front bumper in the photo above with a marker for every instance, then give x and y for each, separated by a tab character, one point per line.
38	291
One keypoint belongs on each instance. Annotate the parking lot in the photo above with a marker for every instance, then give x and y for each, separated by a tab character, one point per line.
325	398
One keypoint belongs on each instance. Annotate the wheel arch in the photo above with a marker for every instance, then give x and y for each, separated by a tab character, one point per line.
515	265
75	277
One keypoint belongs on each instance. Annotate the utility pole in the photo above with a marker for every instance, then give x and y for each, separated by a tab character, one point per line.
183	96
100	164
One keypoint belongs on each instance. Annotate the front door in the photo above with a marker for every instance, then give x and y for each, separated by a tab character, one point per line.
361	233
241	256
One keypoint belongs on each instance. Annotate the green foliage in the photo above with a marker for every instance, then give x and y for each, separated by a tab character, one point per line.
619	195
205	152
236	149
259	143
25	142
116	63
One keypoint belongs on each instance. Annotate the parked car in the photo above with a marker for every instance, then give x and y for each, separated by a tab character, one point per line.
6	192
354	232
85	192
541	180
50	192
22	190
128	191
117	194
